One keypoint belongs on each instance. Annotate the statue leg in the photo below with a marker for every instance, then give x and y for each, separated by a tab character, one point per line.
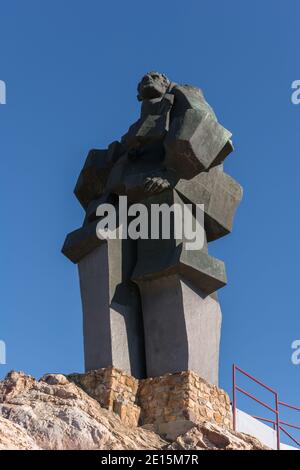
182	327
112	319
182	316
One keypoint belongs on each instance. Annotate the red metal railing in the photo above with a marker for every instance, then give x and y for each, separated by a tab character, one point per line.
277	423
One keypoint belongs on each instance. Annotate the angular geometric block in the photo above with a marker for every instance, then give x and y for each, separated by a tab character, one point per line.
196	142
92	178
152	128
159	259
162	257
81	242
94	174
84	240
189	97
219	193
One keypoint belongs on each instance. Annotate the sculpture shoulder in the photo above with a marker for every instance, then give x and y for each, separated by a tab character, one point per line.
186	90
189	97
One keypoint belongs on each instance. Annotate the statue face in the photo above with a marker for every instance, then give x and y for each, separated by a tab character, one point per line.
152	85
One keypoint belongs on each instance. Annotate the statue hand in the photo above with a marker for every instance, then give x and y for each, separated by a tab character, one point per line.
155	185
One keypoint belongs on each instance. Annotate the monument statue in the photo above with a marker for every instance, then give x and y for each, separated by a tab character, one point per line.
150	305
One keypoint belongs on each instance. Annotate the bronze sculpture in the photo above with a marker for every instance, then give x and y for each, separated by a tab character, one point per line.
150	306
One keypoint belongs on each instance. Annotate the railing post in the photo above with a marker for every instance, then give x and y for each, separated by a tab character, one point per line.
277	420
234	397
277	423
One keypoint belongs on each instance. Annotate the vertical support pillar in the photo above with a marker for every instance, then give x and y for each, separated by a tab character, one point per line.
112	318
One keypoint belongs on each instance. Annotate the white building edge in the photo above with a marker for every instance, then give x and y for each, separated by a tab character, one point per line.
249	425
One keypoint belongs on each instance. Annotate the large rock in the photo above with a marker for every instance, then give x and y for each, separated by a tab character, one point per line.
14	437
57	414
208	436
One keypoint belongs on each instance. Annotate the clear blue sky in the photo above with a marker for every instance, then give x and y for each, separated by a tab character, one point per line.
71	69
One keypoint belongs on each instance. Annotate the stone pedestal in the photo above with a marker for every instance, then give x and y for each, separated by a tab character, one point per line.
170	404
114	390
174	403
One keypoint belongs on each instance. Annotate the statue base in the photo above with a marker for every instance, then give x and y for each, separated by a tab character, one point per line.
169	405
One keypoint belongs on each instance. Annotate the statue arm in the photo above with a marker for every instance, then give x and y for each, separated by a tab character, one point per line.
187	97
92	180
195	141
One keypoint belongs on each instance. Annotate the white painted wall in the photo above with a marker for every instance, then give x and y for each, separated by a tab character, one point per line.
249	425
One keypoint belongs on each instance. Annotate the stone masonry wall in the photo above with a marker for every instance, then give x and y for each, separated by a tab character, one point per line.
113	389
172	398
183	396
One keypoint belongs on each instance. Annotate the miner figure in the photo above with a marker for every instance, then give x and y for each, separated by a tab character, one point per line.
150	306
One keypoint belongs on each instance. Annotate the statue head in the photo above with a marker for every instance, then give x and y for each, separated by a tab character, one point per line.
152	85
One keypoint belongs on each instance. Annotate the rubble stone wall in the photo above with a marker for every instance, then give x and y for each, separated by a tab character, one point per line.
183	396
